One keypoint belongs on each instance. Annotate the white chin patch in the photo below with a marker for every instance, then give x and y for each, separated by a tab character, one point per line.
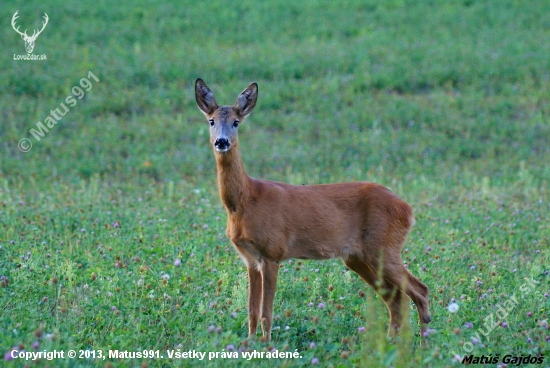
221	149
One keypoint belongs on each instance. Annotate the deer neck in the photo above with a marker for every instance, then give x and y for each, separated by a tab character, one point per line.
233	182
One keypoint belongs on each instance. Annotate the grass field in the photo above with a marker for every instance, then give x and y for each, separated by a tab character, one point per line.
112	234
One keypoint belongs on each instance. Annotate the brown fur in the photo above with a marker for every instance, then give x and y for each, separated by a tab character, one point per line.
363	223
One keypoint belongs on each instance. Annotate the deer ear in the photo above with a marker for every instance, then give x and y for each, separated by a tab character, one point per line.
247	100
205	97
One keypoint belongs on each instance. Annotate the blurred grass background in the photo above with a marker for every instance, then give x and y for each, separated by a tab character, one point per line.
443	90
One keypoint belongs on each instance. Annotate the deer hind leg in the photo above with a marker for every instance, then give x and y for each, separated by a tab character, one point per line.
394	288
418	291
393	297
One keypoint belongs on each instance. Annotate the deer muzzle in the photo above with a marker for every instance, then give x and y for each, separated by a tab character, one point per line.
222	144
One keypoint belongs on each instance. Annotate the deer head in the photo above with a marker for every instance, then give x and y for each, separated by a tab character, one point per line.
29	40
224	120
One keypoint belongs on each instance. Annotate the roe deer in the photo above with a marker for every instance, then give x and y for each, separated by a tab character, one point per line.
363	223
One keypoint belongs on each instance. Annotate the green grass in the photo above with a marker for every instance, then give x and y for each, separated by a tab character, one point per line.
443	102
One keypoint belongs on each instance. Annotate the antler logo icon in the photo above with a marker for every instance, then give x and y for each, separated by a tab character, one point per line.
29	40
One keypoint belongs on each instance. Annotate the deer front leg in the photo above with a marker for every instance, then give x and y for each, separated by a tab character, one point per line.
270	271
254	299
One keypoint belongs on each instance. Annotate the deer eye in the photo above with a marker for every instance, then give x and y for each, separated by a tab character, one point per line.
211	122
236	123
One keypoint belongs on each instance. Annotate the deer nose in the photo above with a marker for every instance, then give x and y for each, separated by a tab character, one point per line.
222	144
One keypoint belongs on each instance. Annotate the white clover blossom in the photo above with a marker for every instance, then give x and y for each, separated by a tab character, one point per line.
453	307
